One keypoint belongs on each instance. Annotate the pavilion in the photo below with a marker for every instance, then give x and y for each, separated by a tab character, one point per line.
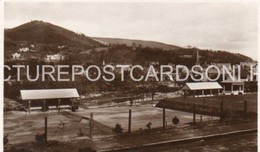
233	87
198	89
46	98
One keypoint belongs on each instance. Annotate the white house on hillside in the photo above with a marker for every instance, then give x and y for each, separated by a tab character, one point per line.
25	49
54	58
16	56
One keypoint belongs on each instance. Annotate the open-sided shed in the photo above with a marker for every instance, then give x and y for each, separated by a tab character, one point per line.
48	97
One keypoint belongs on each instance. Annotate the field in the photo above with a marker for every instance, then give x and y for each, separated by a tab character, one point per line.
141	115
233	105
22	127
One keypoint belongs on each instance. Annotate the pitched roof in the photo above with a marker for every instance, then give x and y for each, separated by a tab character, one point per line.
202	85
38	94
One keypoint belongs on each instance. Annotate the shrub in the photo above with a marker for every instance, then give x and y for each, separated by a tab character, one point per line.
87	149
40	137
118	128
6	139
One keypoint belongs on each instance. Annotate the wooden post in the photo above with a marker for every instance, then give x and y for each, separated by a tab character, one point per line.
245	109
194	115
221	110
45	129
58	105
163	118
91	124
29	106
231	88
129	120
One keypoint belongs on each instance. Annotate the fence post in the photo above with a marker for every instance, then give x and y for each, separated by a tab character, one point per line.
91	124
163	118
245	109
194	115
129	120
221	110
58	105
45	128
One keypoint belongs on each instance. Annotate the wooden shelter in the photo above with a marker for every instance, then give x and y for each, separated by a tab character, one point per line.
197	89
48	97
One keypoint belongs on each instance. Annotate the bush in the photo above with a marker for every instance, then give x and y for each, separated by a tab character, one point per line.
118	128
6	139
40	137
87	149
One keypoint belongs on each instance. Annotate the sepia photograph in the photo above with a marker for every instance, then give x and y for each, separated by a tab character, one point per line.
130	76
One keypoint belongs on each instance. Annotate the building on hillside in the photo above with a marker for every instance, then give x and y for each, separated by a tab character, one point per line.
16	56
198	89
25	49
54	58
49	98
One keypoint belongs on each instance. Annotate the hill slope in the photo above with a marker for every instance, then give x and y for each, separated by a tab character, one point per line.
47	34
45	38
141	43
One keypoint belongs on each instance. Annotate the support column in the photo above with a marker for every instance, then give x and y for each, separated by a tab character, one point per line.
231	88
44	105
224	88
29	106
202	92
211	92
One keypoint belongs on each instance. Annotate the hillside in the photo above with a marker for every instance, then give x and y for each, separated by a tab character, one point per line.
141	43
42	38
39	32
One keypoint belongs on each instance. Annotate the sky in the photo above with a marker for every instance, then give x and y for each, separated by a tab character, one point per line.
217	26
